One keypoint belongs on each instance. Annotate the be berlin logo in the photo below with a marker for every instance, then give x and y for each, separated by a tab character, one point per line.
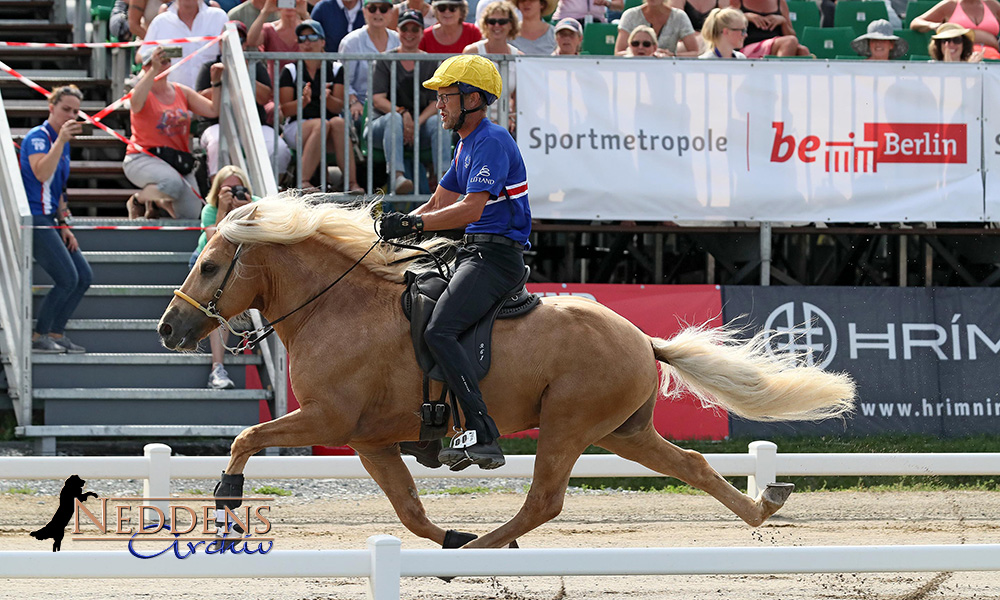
188	525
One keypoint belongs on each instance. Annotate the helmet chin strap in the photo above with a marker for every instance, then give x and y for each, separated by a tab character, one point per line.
461	105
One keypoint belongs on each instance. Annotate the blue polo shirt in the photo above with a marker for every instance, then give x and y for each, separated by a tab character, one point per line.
43	196
488	160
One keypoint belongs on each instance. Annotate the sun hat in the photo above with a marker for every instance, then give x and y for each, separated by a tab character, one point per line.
569	23
410	16
880	29
310	24
952	30
469	71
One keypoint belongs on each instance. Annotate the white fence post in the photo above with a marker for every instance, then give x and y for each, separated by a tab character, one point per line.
765	468
383	583
157	483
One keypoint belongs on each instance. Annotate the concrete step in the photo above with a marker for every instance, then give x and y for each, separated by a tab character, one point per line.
95	370
124	240
150	406
117	301
131	268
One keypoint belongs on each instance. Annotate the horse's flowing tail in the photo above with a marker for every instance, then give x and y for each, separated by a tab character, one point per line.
741	376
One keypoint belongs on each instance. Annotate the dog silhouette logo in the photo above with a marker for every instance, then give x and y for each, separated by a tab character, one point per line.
56	528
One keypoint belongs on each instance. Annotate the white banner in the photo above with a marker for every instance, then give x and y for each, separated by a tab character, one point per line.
991	141
751	140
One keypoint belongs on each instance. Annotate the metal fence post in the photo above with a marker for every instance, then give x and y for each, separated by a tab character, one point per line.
765	467
383	582
157	483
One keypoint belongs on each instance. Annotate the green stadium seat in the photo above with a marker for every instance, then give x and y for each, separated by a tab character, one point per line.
632	4
850	57
916	8
857	14
100	10
599	39
920	58
803	13
918	41
828	42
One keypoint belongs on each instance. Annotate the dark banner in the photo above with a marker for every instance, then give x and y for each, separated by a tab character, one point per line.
925	360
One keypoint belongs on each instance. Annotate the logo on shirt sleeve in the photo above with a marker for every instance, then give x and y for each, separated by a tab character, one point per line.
38	144
483	176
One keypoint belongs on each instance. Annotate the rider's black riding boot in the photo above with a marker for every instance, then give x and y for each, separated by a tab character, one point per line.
426	452
485	452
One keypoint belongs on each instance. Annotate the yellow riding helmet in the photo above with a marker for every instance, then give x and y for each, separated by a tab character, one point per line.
472	70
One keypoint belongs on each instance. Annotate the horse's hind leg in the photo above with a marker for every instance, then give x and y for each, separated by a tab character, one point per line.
649	449
386	467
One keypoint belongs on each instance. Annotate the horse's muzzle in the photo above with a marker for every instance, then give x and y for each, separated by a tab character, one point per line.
174	333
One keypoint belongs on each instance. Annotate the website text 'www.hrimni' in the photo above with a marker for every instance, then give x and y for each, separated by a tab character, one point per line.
926	408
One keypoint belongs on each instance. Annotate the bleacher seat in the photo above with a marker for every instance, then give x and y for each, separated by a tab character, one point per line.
631	4
857	14
599	39
916	8
917	41
803	13
100	10
828	42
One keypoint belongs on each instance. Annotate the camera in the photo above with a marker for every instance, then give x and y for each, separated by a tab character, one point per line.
85	127
173	52
286	3
240	193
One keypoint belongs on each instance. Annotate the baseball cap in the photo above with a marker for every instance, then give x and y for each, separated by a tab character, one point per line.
569	23
411	16
310	24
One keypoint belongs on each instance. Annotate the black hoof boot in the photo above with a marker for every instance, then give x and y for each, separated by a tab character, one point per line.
455	539
426	453
228	494
486	455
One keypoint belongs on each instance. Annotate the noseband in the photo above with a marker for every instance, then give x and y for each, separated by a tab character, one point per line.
249	339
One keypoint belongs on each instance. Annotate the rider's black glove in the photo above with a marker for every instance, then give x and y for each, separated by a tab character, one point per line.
398	225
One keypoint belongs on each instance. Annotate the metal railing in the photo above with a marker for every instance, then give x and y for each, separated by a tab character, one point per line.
424	65
15	276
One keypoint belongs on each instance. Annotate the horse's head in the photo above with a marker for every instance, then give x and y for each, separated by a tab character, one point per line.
213	287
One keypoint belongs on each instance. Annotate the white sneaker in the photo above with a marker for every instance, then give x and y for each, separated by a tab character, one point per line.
403	185
219	379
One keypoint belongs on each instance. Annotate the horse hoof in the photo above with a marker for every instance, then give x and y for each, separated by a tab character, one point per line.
457	539
777	493
513	544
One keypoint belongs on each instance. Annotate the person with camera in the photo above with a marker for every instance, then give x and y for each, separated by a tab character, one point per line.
230	189
161	124
45	169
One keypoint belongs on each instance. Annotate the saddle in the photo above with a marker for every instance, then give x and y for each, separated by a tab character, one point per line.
418	301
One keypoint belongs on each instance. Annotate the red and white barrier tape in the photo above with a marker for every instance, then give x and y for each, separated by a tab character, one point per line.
203	38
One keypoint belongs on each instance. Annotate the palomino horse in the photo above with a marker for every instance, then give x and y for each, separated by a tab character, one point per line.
576	370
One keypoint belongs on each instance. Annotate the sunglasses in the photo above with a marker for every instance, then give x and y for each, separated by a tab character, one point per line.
644	44
447	7
954	40
310	37
503	21
743	31
382	8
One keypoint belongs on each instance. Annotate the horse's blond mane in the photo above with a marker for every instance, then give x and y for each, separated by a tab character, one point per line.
290	218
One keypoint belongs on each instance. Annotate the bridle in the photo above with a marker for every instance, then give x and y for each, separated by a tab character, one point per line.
249	339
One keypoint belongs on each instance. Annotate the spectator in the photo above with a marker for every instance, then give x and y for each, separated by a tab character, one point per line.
338	18
218	203
373	38
641	42
161	124
697	10
985	28
280	36
451	34
320	108
669	25
140	14
953	43
724	30
536	37
769	29
569	37
481	6
187	18
421	6
580	9
118	27
248	11
45	169
880	43
398	121
499	26
262	94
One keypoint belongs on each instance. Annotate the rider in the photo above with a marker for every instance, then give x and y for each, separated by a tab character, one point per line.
484	191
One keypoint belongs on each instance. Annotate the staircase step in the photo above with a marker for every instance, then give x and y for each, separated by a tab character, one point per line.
117	301
100	139
33	30
115	335
138	257
131	268
44	58
182	371
150	406
37	109
96	169
155	431
99	197
32	8
141	240
68	75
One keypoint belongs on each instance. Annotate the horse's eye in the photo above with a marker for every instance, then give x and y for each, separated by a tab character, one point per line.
209	268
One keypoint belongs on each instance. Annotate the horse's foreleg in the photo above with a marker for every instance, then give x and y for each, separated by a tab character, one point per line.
300	427
649	449
386	467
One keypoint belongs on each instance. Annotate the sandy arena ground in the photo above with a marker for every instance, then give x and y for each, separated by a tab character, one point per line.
588	520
